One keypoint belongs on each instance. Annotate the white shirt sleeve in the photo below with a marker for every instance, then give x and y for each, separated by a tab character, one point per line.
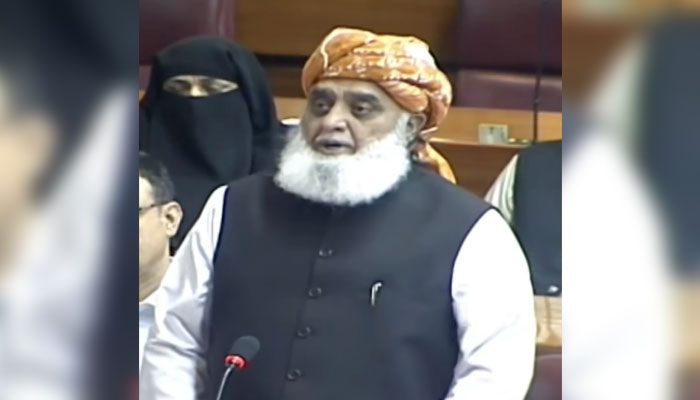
494	308
500	195
174	365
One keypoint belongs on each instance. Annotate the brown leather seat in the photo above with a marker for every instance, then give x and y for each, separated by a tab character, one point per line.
546	383
498	53
163	22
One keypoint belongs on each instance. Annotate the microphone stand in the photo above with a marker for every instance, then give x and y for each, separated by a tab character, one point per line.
541	44
228	372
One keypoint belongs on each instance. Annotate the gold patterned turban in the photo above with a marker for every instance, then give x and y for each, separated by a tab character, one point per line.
401	65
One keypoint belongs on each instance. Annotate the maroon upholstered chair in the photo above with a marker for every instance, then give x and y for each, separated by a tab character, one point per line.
163	22
499	46
506	90
503	34
546	383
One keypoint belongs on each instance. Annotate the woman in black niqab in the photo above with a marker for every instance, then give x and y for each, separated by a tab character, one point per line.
206	138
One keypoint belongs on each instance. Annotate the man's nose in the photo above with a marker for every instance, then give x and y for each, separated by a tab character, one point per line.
335	121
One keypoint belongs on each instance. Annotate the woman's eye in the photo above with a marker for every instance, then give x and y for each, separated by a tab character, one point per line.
178	86
213	87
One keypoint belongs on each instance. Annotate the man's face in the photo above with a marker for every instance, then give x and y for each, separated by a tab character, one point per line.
342	116
157	224
352	145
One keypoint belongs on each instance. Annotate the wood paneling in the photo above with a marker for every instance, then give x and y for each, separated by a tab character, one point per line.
462	124
297	27
589	45
688	324
548	312
476	166
285	81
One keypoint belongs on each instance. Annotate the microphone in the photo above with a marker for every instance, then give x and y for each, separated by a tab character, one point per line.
241	354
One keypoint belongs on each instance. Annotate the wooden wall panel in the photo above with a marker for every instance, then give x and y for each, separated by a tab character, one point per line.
549	323
284	80
296	27
462	124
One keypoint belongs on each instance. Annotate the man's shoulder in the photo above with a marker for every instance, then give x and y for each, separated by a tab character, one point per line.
439	186
248	190
249	181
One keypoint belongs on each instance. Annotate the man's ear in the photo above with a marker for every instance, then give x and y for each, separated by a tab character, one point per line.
416	122
172	214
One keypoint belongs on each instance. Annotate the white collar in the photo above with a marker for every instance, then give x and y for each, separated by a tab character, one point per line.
149	301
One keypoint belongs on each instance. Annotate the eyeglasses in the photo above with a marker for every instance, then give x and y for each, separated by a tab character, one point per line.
144	209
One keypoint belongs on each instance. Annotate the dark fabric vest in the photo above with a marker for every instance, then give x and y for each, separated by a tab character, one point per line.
670	134
537	214
299	276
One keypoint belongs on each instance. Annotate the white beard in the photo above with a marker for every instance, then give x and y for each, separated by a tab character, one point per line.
345	180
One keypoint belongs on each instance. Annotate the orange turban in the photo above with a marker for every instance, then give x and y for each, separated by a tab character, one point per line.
401	65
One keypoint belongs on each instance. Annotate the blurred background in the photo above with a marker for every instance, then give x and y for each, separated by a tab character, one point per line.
68	148
630	189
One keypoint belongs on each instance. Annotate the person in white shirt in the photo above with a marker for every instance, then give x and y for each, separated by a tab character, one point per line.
159	219
363	274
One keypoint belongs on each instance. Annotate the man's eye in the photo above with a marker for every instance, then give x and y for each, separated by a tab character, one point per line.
362	109
321	106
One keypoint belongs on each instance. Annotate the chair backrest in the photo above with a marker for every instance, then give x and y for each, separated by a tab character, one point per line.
164	22
502	90
546	383
505	34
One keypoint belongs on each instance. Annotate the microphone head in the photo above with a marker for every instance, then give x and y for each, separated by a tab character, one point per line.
245	347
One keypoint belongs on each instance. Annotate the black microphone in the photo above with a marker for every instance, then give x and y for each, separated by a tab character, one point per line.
241	354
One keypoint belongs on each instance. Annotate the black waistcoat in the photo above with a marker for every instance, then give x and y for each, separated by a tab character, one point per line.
537	214
300	276
669	134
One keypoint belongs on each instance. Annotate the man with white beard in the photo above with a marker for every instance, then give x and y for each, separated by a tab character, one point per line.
363	274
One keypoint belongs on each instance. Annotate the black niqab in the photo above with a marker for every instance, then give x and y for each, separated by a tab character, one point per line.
209	141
